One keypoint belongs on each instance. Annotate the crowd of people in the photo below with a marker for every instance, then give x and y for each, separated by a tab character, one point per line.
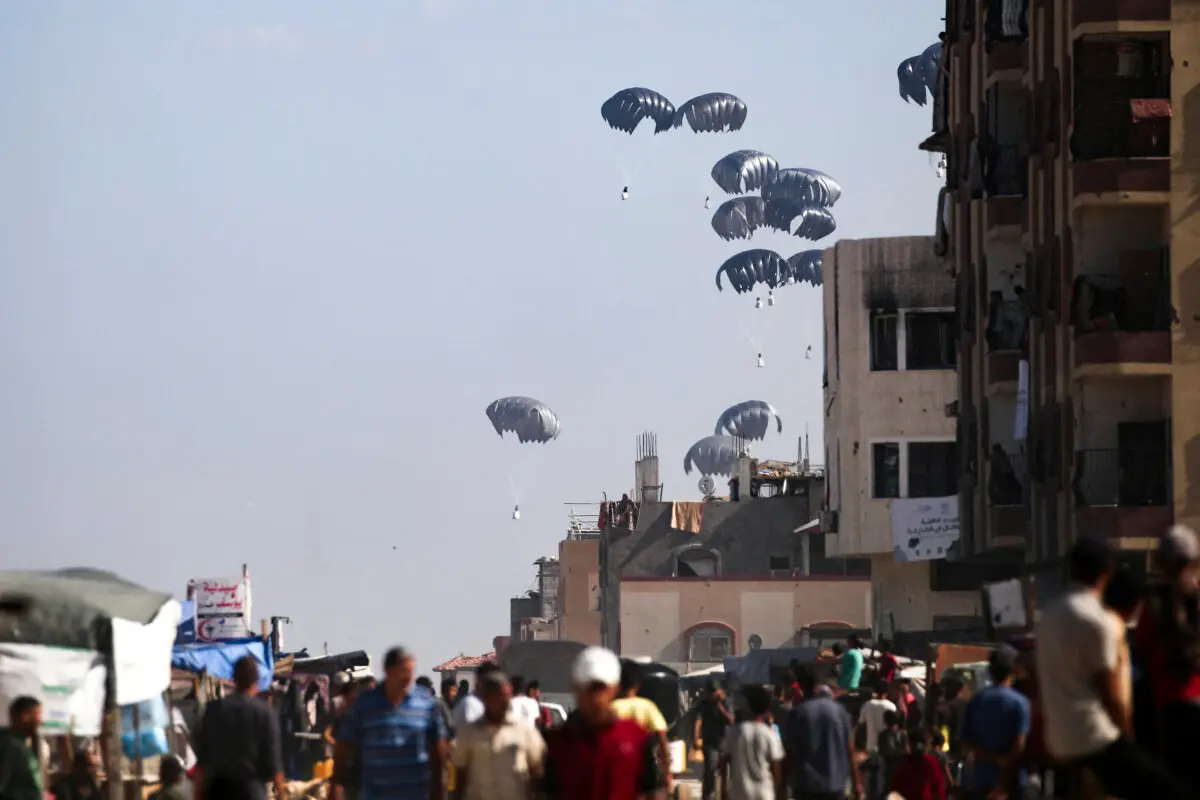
1100	701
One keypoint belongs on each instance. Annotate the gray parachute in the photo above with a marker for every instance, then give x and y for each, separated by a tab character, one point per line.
531	420
713	455
807	266
715	112
749	420
804	187
750	267
917	76
738	218
744	171
625	110
805	221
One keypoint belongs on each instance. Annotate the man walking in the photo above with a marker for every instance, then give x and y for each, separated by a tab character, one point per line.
712	720
752	755
644	712
1086	719
594	755
994	728
395	734
237	744
20	774
820	746
501	755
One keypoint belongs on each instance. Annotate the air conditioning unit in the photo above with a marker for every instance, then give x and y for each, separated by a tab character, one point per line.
829	521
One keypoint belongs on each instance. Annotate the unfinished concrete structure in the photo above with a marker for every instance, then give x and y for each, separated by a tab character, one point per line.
1070	228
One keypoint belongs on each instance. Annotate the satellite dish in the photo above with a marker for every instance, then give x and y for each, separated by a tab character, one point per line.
755	641
707	486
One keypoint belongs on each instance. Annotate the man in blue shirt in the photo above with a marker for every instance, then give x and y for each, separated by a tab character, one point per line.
819	755
396	736
994	726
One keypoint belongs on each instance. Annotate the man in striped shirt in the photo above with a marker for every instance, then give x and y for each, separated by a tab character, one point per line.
396	736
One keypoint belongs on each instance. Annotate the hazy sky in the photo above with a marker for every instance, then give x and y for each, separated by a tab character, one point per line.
263	265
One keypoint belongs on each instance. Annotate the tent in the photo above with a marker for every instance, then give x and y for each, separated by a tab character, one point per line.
93	610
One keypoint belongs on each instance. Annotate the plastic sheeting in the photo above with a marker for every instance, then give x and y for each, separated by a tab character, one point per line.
142	655
70	683
217	658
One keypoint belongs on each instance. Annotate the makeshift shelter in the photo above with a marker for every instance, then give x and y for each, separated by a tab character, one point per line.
44	616
217	659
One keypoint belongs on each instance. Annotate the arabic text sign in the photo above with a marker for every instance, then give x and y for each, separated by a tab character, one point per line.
222	609
923	528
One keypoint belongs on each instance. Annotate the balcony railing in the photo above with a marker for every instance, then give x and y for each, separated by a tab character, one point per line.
1136	302
1126	477
1008	478
1006	172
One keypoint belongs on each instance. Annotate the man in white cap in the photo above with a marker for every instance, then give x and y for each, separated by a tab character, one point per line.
594	755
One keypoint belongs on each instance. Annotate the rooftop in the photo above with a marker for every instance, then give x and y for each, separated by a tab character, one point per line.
461	661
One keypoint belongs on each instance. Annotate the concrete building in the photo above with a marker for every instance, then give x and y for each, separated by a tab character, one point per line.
692	582
578	613
1071	233
889	392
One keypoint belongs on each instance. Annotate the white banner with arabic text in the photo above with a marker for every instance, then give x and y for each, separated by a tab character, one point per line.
222	609
923	528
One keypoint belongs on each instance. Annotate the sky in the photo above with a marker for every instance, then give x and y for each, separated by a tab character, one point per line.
263	266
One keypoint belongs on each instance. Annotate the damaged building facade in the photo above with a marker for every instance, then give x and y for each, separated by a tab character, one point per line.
890	387
1069	225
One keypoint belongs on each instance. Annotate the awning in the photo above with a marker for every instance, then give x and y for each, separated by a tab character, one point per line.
218	658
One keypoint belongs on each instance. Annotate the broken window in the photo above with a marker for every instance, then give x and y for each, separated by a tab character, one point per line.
885	352
696	564
885	469
930	340
932	469
709	644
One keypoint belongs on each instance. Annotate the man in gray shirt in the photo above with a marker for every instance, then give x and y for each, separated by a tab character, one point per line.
820	746
237	744
751	754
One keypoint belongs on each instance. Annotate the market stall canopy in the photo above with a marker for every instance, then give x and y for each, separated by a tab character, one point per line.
328	665
218	658
95	610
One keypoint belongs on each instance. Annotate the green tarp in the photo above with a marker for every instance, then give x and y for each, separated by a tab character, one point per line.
71	607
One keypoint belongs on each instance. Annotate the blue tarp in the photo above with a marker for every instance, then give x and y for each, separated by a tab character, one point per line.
186	632
218	658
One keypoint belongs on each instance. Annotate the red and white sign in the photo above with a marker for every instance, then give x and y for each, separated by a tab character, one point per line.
222	608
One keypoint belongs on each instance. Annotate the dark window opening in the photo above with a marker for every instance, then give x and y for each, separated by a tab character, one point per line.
781	563
885	350
885	469
696	564
930	340
932	469
1122	99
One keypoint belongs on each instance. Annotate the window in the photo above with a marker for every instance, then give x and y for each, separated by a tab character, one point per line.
696	563
709	644
932	469
780	566
885	351
885	469
930	340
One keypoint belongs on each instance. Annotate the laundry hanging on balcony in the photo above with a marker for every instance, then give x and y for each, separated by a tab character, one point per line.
1150	108
1007	21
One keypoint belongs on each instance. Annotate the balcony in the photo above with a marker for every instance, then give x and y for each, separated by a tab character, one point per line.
1007	337
1006	181
1007	495
1123	493
1112	16
1121	139
1122	323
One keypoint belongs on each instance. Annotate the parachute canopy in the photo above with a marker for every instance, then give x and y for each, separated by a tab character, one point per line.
625	110
738	218
749	420
531	420
753	266
744	171
917	76
805	187
806	267
712	113
814	222
713	455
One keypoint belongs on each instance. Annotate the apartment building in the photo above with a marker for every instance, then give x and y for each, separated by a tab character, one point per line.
890	434
1069	222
